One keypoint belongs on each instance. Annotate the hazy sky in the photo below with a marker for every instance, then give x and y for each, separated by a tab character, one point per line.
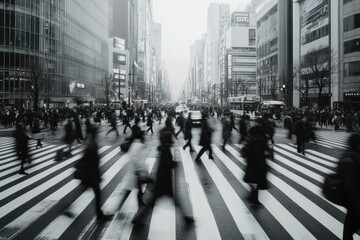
183	22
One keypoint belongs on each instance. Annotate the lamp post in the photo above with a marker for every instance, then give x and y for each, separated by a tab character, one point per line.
283	89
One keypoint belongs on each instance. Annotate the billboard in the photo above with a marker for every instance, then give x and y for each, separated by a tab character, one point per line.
240	19
119	58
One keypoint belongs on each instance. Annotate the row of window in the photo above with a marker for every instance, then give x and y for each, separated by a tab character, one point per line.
352	46
352	22
315	35
347	1
267	48
352	69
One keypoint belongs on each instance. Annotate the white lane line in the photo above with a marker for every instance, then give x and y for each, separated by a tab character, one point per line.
59	225
245	221
328	221
38	177
15	164
111	206
330	143
11	151
296	178
163	223
333	140
304	161
23	221
206	227
322	155
316	159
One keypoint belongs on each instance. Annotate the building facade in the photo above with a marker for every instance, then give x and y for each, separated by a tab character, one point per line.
274	50
62	43
240	56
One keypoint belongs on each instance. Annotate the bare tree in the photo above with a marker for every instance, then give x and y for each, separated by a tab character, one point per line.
107	82
274	85
260	83
316	69
303	86
37	72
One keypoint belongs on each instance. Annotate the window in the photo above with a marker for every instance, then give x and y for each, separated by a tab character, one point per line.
352	46
352	69
352	22
347	1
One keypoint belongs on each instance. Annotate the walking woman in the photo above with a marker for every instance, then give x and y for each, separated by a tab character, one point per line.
22	140
254	152
36	131
188	135
150	124
164	179
205	139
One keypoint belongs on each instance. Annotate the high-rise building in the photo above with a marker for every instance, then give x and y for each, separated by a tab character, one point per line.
218	21
55	48
123	24
274	36
239	65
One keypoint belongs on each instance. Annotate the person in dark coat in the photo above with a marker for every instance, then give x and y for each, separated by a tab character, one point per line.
21	145
205	139
243	129
150	124
164	179
188	135
113	123
69	135
36	131
135	128
300	132
180	122
226	134
89	165
254	152
232	119
349	171
78	130
126	121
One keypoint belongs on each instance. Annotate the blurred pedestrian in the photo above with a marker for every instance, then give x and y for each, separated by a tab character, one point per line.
188	134
255	152
69	135
205	139
113	123
37	135
180	122
88	167
21	145
164	179
243	129
126	121
150	124
301	132
226	133
349	172
78	131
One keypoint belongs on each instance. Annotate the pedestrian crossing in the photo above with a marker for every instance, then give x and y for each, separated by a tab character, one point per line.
36	206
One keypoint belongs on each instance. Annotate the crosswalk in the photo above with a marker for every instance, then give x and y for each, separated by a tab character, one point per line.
36	206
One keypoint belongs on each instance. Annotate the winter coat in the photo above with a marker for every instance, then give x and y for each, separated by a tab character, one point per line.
349	171
206	133
254	152
188	127
137	167
164	185
90	162
226	128
69	133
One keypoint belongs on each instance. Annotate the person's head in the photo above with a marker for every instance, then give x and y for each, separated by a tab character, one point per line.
354	141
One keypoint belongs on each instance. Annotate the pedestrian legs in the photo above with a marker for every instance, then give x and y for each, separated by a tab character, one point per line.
188	144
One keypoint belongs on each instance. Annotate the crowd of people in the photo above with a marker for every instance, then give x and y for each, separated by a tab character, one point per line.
257	139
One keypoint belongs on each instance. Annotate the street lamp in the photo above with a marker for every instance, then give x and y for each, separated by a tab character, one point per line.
283	89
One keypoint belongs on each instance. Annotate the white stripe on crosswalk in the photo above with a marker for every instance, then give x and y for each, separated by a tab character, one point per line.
111	205
33	179
316	212
245	221
316	159
330	143
333	139
206	227
58	226
284	217
163	225
11	151
36	157
322	155
304	161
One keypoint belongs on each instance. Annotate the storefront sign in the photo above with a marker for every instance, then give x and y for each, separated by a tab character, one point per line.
80	85
119	58
352	94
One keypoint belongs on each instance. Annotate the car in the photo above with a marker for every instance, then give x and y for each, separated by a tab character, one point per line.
196	117
180	109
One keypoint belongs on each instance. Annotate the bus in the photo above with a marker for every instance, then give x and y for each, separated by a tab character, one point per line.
272	107
247	103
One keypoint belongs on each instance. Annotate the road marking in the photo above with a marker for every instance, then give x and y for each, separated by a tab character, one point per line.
206	227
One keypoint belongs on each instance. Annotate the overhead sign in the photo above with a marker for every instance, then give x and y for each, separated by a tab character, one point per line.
72	86
240	19
119	58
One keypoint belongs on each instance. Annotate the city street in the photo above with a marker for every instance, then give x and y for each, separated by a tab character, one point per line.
49	203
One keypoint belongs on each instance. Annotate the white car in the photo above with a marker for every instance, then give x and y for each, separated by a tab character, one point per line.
180	109
196	117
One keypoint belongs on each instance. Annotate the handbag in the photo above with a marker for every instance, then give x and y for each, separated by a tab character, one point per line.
333	189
